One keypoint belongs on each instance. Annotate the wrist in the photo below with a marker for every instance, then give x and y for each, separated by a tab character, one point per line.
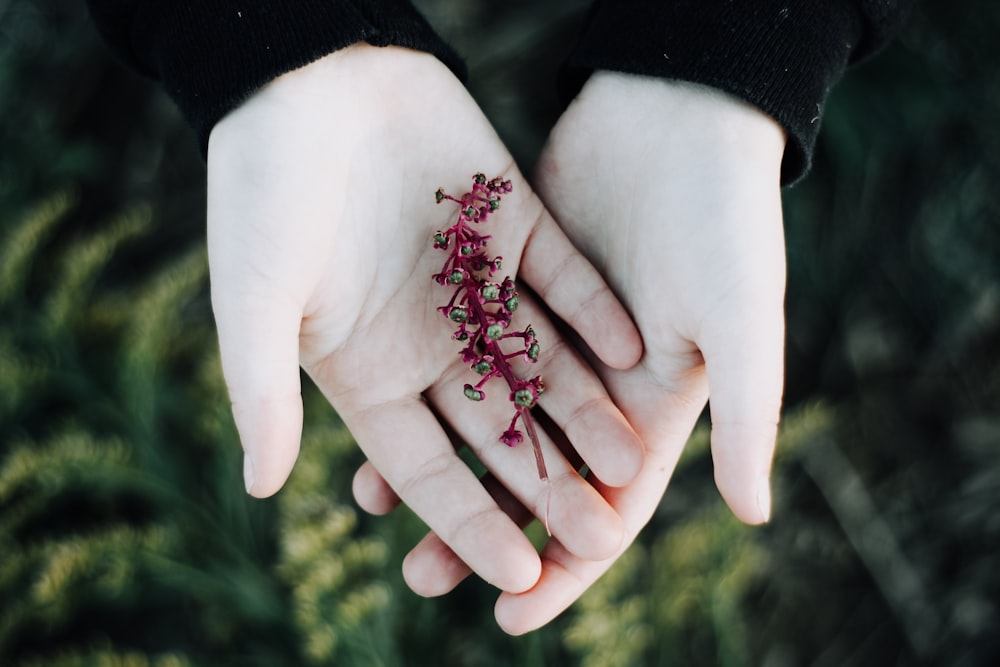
335	102
713	128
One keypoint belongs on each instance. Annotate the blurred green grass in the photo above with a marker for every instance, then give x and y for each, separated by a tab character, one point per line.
126	539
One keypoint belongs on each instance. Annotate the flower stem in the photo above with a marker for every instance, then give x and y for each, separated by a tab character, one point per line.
469	269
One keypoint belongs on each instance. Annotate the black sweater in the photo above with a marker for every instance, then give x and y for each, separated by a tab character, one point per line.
781	55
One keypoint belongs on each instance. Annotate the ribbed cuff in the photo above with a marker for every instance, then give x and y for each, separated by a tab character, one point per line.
781	57
213	54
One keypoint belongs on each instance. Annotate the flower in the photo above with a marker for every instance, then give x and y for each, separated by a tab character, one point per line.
511	438
483	308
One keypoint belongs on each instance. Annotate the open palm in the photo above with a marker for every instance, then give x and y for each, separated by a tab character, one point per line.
321	213
686	226
671	190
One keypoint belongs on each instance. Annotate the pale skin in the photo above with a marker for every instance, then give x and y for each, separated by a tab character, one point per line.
320	221
672	191
320	217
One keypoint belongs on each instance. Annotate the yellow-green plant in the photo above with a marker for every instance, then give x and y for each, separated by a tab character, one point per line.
126	536
685	595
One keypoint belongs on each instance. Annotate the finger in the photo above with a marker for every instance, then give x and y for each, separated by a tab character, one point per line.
575	401
258	342
564	501
405	442
567	283
745	375
664	413
565	576
372	493
578	405
432	568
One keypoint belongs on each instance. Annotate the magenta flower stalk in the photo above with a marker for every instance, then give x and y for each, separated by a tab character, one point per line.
483	309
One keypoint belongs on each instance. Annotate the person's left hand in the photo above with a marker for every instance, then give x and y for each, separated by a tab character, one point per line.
321	219
672	191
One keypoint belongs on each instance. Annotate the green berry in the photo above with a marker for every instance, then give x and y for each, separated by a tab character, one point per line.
456	277
533	351
458	314
439	195
483	367
494	331
524	398
474	394
490	291
512	303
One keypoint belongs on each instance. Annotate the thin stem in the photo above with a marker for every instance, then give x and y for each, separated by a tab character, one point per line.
529	426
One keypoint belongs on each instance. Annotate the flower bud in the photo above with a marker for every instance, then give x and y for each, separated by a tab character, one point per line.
512	438
525	398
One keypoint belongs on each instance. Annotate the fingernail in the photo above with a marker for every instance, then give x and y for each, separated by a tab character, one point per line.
248	475
764	497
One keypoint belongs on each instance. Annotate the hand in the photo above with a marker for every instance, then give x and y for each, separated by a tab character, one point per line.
321	215
672	191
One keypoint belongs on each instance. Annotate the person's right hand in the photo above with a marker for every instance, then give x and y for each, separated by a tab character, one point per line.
321	215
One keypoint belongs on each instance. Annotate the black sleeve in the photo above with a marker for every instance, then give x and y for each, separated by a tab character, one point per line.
779	55
211	55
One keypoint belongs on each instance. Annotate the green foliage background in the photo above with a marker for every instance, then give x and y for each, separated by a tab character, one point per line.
125	536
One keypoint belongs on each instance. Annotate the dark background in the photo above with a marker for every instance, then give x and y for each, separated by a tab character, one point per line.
125	536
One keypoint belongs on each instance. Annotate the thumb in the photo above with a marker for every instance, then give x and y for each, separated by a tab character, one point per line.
568	284
746	375
259	345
